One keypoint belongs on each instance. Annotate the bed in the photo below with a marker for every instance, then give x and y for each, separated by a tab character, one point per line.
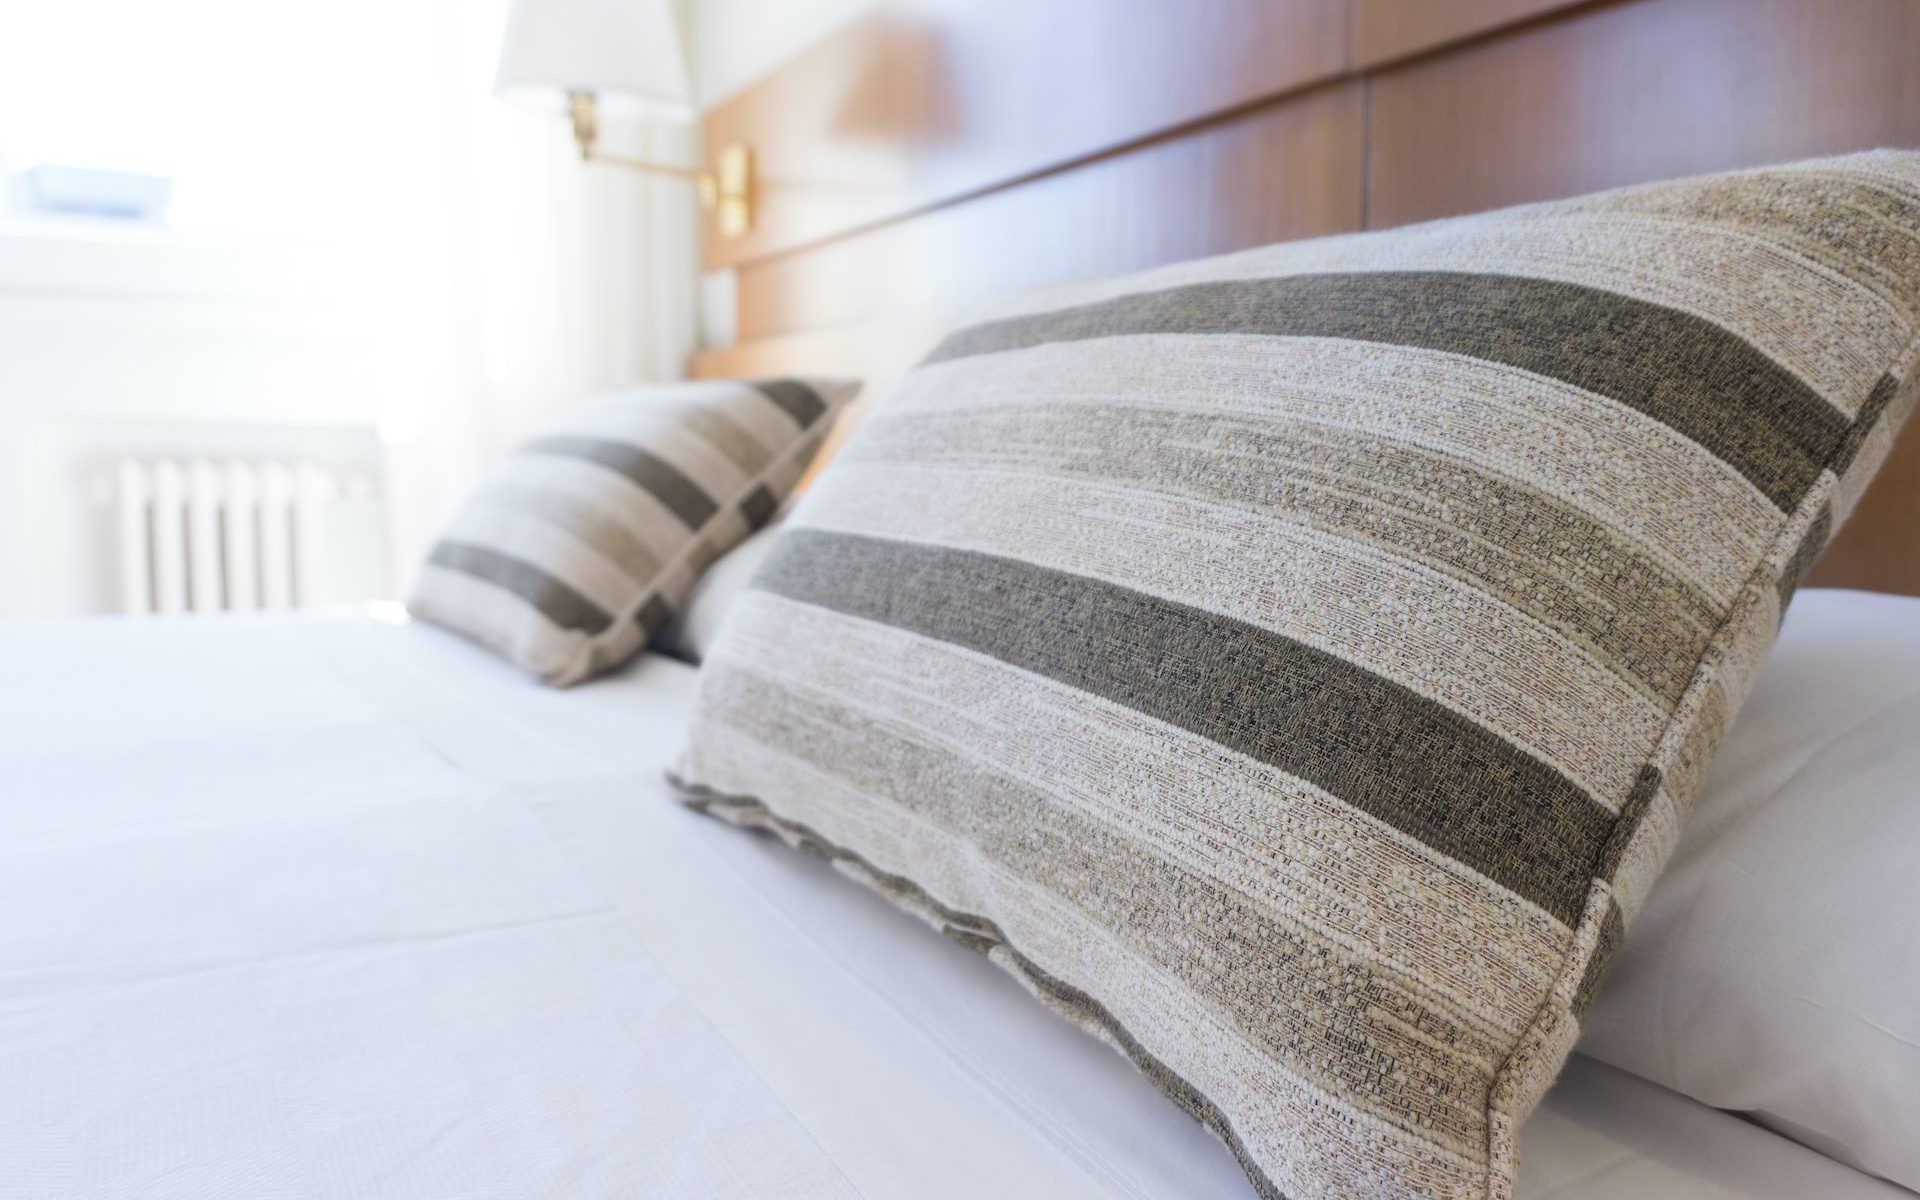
343	906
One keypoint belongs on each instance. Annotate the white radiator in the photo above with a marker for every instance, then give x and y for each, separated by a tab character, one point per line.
201	536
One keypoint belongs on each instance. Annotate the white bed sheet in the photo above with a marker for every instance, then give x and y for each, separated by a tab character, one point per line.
304	907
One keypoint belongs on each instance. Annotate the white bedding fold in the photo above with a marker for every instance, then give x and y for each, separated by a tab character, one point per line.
304	907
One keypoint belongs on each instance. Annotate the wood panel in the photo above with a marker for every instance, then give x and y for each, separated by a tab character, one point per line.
1385	30
924	101
1284	170
875	352
1878	549
1627	93
943	151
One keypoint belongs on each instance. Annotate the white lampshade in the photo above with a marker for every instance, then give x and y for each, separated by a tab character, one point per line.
622	51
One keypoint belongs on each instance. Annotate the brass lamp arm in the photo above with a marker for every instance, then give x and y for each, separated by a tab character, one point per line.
728	191
696	174
699	177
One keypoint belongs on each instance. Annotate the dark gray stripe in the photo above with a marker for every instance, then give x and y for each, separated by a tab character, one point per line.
1688	373
759	506
1804	556
1411	762
1613	930
798	400
653	616
681	495
556	601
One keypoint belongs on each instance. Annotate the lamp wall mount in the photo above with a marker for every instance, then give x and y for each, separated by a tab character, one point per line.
726	190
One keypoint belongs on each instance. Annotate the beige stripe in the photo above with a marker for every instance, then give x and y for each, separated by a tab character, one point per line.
1528	549
1277	976
661	430
581	519
1447	641
1647	853
555	551
696	458
1157	1008
732	438
1838	218
1374	890
786	470
639	512
1833	332
1707	711
496	618
1619	466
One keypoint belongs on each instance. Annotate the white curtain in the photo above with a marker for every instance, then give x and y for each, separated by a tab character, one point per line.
559	278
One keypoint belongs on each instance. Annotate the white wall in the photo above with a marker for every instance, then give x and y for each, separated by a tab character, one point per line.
407	256
104	331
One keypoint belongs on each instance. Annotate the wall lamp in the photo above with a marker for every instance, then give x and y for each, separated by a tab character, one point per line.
623	56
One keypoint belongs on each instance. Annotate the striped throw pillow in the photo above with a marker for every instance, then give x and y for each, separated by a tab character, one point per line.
1294	666
585	541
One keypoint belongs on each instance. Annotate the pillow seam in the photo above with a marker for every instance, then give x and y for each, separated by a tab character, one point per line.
1502	1130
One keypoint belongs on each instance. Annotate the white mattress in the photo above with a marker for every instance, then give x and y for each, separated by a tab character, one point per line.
304	907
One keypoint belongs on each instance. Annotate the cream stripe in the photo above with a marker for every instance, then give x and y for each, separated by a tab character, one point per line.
494	617
1652	845
1292	845
732	438
700	461
1301	1110
1622	468
576	518
554	551
662	431
1427	631
637	510
1833	332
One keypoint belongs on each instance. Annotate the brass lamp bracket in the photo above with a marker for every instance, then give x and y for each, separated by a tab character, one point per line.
726	191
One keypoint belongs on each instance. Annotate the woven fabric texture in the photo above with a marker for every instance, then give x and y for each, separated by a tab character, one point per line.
1295	666
584	543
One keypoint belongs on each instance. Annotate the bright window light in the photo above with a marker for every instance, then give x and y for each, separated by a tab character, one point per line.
304	119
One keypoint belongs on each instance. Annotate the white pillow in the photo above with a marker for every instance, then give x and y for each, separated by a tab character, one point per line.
1775	969
692	631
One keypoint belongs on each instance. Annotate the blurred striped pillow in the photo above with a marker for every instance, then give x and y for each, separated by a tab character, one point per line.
1294	666
583	543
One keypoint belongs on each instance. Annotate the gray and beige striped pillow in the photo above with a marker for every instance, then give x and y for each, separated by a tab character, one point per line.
586	540
1294	666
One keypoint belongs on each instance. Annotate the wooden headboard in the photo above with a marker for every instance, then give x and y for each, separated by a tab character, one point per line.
937	152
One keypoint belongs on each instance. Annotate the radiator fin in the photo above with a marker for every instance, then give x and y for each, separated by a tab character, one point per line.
205	537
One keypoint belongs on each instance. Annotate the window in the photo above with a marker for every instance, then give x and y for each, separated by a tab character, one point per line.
295	119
